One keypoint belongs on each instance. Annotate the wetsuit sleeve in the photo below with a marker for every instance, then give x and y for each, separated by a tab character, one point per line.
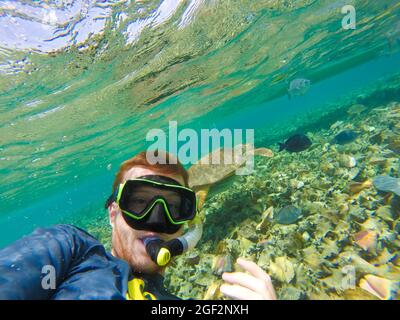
25	263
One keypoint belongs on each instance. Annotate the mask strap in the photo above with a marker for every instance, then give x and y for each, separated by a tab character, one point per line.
111	198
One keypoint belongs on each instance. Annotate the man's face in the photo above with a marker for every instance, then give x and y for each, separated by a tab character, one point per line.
127	242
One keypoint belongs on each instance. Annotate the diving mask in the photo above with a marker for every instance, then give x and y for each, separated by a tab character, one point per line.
156	203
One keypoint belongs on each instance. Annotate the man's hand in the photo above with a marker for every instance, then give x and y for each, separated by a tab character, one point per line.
242	286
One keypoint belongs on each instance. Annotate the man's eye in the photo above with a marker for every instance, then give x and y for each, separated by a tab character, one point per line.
138	201
174	205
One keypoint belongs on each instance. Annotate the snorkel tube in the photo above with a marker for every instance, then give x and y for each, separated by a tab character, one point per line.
161	251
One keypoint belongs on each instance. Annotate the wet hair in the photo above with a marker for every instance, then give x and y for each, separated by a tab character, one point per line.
172	166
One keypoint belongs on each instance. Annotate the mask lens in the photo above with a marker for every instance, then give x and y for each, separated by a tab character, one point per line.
138	197
186	209
137	203
134	199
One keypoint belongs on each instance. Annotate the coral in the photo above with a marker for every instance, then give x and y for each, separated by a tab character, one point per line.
380	287
367	240
282	269
222	264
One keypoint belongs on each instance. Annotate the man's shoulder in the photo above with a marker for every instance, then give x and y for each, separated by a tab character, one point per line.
72	238
67	229
75	230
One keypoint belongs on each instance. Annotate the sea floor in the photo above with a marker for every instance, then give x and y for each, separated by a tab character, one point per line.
347	238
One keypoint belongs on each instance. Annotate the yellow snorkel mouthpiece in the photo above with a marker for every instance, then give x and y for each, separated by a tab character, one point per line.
161	251
163	256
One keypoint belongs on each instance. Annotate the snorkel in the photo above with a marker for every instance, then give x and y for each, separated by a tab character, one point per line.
161	251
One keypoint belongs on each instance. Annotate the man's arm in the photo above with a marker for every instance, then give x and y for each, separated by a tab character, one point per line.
25	263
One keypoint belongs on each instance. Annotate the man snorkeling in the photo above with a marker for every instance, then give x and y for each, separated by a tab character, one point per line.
148	210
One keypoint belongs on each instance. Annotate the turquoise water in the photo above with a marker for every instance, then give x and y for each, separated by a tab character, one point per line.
78	96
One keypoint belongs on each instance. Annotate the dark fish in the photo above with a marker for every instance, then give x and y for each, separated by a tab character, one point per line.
296	143
287	215
345	136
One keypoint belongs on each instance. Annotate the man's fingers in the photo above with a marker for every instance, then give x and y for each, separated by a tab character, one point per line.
240	293
257	272
253	268
245	280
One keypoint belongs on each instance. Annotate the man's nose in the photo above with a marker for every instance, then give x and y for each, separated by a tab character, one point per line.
158	214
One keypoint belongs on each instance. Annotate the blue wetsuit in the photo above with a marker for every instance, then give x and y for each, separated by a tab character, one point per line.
83	268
